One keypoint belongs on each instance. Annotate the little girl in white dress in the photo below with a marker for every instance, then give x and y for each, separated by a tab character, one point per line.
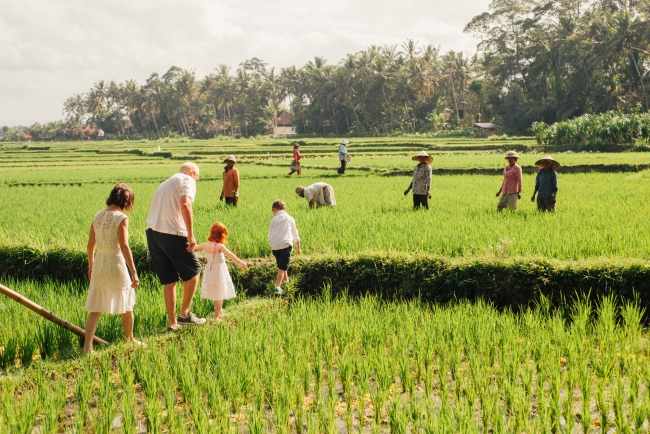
111	290
217	284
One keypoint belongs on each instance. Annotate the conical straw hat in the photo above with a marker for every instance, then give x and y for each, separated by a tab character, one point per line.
423	154
554	164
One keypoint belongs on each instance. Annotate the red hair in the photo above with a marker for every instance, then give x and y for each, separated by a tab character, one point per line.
218	233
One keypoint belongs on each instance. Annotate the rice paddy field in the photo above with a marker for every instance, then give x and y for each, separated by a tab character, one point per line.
331	363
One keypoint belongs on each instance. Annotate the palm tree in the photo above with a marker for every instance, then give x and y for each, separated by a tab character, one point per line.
619	44
74	108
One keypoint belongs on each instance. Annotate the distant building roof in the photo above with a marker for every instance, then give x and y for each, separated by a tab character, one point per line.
486	126
285	118
216	126
37	125
27	136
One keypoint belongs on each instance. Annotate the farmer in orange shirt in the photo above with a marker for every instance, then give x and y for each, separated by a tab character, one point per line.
230	188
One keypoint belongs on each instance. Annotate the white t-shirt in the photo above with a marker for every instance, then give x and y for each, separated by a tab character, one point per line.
165	212
282	231
315	192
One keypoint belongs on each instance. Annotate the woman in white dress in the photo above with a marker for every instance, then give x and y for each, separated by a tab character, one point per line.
111	290
217	284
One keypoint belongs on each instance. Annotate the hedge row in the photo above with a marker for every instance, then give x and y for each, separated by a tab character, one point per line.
506	283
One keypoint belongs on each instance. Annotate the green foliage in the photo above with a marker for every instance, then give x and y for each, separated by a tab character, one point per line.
608	128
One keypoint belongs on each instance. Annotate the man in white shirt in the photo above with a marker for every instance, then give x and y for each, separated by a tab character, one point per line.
318	194
170	238
282	234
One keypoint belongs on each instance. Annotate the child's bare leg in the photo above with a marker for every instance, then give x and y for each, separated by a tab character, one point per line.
91	328
127	325
279	278
218	311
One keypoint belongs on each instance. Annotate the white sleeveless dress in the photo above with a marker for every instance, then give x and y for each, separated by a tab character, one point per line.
110	285
216	284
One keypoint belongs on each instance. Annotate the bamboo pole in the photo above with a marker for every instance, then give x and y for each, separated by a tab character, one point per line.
47	314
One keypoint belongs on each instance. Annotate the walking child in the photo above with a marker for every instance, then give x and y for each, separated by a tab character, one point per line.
111	290
282	235
217	284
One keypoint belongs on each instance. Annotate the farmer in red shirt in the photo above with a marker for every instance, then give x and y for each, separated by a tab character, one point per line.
295	164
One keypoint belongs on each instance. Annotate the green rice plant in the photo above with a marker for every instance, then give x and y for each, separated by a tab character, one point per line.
9	352
569	415
47	340
397	417
83	393
256	421
620	403
52	402
555	402
585	390
172	419
606	333
128	397
27	349
106	401
22	418
602	404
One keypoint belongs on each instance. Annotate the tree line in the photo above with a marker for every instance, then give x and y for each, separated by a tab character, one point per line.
537	60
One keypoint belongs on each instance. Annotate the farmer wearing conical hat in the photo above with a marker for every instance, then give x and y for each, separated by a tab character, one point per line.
230	188
421	182
344	157
546	184
511	187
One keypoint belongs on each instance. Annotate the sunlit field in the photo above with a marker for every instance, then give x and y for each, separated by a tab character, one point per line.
330	363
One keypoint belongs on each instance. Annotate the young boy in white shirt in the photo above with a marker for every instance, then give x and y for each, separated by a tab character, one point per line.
282	234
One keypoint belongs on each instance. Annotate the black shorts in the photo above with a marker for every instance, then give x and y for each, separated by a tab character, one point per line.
171	260
282	257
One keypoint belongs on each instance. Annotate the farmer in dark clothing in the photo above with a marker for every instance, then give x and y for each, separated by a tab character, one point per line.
546	184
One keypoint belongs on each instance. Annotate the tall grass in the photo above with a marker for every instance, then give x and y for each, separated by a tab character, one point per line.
319	365
26	337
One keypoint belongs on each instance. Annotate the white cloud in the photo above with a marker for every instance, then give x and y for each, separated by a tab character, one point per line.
53	49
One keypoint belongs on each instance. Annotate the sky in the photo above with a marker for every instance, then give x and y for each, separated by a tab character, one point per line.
53	49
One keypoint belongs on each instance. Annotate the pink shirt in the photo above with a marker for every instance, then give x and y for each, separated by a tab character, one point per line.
511	180
296	155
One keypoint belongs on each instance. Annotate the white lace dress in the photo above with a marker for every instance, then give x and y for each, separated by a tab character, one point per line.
216	284
110	285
